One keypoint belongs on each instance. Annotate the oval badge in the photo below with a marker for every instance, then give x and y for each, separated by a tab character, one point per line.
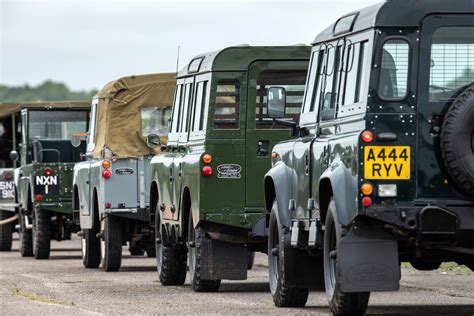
229	171
124	171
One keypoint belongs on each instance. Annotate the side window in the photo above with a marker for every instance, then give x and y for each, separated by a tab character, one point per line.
452	61
184	113
393	80
328	102
314	81
154	120
200	103
177	108
355	68
293	81
227	105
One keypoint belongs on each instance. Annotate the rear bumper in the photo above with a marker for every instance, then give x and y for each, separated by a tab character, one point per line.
8	206
138	214
58	207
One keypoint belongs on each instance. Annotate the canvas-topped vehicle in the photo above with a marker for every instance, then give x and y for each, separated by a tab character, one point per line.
206	195
383	170
111	195
43	178
9	140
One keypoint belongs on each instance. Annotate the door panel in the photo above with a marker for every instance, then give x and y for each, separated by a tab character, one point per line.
262	132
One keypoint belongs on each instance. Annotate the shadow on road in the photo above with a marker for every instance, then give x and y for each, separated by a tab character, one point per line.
422	310
244	287
137	269
64	257
65	249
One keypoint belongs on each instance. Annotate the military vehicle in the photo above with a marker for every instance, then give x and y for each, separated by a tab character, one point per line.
43	179
383	170
206	194
111	195
9	139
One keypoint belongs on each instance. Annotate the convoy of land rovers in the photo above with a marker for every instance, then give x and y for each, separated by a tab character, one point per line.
338	161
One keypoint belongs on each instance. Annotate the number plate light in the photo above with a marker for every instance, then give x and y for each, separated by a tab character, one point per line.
387	190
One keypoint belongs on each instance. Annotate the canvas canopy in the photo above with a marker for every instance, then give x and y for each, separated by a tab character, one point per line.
10	108
119	120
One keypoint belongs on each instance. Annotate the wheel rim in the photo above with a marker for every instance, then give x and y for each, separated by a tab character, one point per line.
83	247
192	252
274	259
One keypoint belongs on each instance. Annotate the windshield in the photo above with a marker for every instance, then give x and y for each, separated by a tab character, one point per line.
57	125
452	61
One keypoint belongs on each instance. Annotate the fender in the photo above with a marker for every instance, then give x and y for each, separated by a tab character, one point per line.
281	178
341	177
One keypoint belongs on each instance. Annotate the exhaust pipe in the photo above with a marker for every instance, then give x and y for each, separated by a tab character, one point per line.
9	220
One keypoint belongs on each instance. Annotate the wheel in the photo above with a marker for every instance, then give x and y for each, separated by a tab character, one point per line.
456	139
195	239
111	245
340	303
170	259
283	296
26	237
250	260
425	265
41	233
91	253
6	232
150	248
136	252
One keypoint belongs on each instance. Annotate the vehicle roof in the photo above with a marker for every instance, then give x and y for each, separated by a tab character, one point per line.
239	58
10	108
397	13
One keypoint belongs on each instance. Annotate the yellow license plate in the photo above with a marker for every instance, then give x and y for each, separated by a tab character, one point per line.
387	162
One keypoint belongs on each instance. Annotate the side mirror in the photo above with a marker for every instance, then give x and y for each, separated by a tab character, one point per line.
153	141
14	155
276	100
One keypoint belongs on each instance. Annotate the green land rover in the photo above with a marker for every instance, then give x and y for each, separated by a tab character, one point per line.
43	179
206	192
383	170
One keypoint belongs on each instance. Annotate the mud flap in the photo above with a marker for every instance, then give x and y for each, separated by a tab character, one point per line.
367	260
302	270
223	260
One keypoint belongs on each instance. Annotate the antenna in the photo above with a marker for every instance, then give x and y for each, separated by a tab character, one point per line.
177	61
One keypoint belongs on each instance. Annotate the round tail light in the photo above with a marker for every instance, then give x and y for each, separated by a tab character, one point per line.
367	188
206	171
106	173
206	158
108	205
39	198
48	172
106	164
367	136
366	201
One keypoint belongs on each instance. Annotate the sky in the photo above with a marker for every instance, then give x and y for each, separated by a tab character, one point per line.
87	43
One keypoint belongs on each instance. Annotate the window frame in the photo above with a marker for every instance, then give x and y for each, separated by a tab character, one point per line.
200	133
409	65
92	126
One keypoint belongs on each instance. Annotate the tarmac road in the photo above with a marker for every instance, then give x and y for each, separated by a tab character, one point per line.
61	285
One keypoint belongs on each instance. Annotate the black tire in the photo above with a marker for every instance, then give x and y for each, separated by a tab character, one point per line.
137	252
457	141
41	233
6	232
425	265
250	260
283	296
170	259
26	238
91	255
340	303
112	244
150	248
195	240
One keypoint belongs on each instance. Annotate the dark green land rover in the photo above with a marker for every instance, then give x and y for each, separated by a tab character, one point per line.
206	190
383	169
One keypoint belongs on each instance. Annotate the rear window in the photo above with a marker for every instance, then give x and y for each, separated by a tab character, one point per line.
452	61
393	81
155	120
227	105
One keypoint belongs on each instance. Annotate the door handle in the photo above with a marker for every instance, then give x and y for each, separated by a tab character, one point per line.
262	147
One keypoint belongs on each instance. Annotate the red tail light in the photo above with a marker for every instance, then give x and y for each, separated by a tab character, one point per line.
48	172
39	198
366	201
106	173
367	136
206	171
108	205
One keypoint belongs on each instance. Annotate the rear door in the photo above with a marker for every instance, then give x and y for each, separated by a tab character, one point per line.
446	66
262	133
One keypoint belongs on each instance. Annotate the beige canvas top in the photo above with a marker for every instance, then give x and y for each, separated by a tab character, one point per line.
10	108
119	125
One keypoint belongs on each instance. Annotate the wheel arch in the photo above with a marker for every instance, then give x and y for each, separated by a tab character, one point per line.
185	211
278	184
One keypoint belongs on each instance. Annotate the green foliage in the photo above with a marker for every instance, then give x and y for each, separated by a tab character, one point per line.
46	91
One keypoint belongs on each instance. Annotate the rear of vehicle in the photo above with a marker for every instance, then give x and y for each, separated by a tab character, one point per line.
418	169
7	208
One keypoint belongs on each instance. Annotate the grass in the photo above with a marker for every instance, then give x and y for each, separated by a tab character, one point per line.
37	298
